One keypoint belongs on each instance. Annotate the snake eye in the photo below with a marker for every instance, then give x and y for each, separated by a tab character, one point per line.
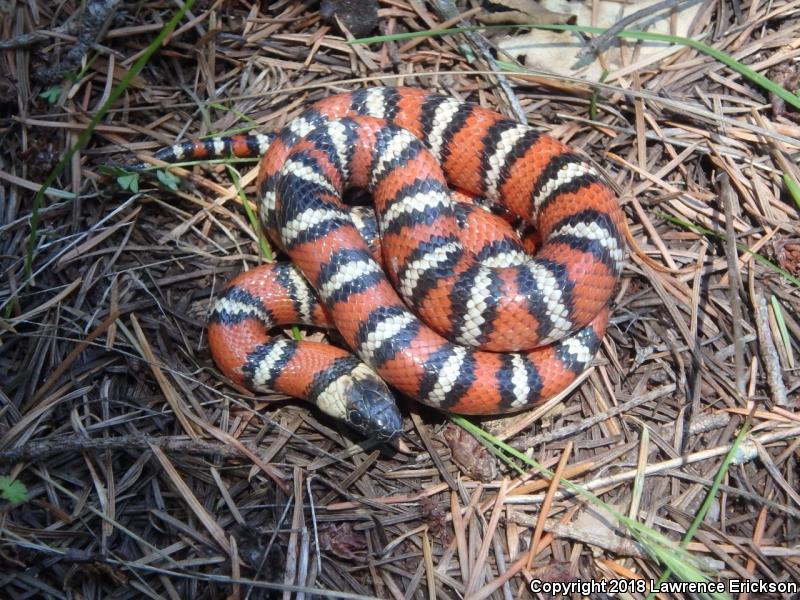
355	418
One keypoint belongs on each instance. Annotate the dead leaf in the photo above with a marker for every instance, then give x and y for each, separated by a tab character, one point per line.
469	454
342	541
435	515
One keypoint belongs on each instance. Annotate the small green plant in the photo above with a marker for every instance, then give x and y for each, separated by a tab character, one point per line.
87	133
168	179
13	490
127	180
51	94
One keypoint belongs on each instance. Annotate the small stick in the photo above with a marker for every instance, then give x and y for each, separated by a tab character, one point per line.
447	10
42	449
96	19
602	42
532	441
747	452
727	195
769	354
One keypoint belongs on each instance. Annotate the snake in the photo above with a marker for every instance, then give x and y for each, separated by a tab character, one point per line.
431	290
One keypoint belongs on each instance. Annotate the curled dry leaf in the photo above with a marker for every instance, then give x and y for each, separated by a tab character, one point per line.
269	560
469	454
554	571
342	541
599	526
787	252
41	157
435	515
558	51
360	17
786	75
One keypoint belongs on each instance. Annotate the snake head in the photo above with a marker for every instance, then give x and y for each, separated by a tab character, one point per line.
371	408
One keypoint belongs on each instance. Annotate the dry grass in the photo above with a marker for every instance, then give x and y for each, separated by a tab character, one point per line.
148	475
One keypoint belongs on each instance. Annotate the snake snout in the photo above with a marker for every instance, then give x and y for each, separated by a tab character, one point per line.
371	409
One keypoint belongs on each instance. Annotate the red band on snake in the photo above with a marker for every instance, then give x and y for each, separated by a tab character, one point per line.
447	307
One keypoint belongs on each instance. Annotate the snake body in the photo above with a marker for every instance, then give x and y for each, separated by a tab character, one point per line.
446	306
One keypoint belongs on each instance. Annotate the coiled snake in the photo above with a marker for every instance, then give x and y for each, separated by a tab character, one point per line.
445	305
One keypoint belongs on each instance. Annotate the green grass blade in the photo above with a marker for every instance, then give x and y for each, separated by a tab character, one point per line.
263	243
712	493
777	310
596	95
722	57
742	248
672	556
255	223
83	138
793	187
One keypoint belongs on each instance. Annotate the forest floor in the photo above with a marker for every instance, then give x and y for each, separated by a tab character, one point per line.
130	467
